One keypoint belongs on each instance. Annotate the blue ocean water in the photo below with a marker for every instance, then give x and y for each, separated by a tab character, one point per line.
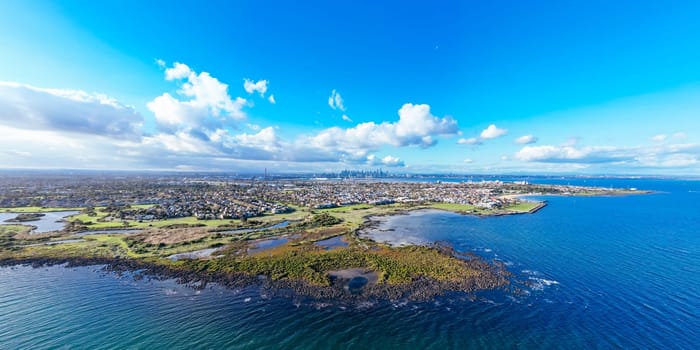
601	272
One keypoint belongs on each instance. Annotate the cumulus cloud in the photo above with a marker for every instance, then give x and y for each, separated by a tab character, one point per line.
492	132
271	99
657	156
260	87
526	140
416	127
572	154
388	161
392	161
335	101
266	139
75	111
177	71
203	102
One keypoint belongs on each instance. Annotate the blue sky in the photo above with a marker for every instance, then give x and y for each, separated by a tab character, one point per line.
465	87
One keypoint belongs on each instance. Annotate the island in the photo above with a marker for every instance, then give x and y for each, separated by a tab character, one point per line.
300	236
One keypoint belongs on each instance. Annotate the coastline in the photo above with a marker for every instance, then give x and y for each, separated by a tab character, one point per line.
490	276
297	266
477	273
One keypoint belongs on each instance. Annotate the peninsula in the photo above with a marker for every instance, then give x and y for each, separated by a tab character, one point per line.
298	235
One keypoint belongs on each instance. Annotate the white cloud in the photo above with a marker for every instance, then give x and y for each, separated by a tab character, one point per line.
468	161
195	131
346	118
526	140
492	132
571	154
335	101
469	141
389	161
36	148
392	161
266	139
271	99
177	71
664	155
659	138
416	127
203	102
179	143
74	111
260	87
676	160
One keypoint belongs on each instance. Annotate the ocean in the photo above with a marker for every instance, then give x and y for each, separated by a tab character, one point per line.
590	272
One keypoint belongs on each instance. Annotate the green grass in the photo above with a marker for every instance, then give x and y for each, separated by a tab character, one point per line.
144	250
190	220
355	215
345	208
11	230
393	265
298	214
522	207
453	206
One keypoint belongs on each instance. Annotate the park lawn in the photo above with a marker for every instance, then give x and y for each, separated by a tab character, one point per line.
298	214
453	206
522	207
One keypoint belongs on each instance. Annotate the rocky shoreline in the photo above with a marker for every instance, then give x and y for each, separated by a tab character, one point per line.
489	276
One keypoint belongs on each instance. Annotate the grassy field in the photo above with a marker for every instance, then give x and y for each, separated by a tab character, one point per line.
11	230
355	215
453	206
522	207
392	265
96	222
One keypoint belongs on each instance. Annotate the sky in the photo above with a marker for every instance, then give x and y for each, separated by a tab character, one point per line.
542	87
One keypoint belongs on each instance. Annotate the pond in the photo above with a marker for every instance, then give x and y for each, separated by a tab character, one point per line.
51	221
333	242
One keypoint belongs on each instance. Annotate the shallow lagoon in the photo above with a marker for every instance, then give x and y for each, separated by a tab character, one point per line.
51	221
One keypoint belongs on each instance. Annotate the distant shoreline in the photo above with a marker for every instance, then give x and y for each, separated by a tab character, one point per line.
360	269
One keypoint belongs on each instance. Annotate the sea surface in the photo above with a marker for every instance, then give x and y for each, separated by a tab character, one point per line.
593	272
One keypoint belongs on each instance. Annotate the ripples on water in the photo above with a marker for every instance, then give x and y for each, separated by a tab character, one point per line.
597	272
